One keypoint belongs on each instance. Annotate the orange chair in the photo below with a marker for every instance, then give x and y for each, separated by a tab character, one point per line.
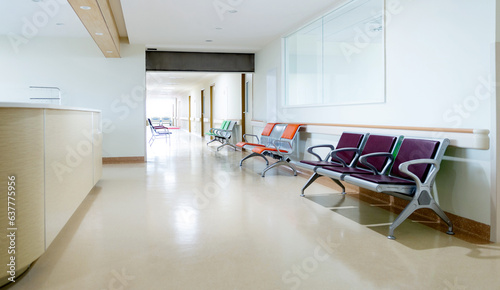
281	148
271	132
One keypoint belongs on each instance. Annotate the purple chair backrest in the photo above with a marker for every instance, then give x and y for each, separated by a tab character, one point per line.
412	149
378	143
349	140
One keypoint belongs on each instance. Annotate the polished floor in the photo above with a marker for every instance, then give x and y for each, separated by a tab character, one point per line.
191	218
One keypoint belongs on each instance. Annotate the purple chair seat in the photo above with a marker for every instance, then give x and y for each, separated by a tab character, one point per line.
320	163
347	170
383	179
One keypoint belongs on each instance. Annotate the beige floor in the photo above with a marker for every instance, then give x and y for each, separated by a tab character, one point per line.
191	218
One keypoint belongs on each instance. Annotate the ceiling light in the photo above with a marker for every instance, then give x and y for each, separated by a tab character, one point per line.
85	7
208	40
99	33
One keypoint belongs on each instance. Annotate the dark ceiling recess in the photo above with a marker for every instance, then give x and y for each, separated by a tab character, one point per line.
199	61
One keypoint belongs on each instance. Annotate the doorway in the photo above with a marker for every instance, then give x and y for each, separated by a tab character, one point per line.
189	102
205	100
202	105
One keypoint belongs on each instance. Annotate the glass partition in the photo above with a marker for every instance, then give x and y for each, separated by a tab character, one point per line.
338	59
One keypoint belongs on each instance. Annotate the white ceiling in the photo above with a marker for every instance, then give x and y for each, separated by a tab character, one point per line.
30	19
180	25
185	25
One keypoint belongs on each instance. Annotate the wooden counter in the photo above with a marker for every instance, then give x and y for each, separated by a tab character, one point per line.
55	155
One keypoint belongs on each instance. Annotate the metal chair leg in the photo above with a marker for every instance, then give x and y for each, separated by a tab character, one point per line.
281	162
409	209
339	184
253	155
226	144
263	174
309	182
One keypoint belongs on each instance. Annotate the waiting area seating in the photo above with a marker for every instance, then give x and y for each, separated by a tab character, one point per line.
271	132
345	159
222	134
157	132
166	121
161	121
211	132
407	172
277	148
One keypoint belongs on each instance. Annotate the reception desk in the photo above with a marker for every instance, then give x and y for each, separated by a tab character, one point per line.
51	157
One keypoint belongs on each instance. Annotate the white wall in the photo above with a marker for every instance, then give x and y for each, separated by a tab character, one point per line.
87	79
267	62
437	72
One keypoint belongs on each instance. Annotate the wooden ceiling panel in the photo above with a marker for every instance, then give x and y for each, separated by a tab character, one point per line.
97	17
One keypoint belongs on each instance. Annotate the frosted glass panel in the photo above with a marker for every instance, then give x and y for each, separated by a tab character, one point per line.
338	59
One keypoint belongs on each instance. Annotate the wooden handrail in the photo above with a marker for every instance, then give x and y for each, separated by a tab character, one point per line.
451	130
431	129
459	137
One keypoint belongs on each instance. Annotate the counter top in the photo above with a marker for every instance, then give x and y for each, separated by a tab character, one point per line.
43	106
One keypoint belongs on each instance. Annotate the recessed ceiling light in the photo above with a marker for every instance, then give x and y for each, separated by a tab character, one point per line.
99	33
85	7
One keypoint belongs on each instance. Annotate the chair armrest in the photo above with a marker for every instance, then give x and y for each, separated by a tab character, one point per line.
364	160
275	144
311	151
245	137
333	154
403	167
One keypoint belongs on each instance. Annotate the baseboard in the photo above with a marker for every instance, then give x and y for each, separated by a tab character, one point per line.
118	160
464	228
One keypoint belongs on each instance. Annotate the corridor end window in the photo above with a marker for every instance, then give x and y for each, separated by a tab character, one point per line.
338	59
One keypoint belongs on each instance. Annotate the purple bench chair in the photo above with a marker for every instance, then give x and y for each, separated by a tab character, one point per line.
378	153
411	177
345	155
